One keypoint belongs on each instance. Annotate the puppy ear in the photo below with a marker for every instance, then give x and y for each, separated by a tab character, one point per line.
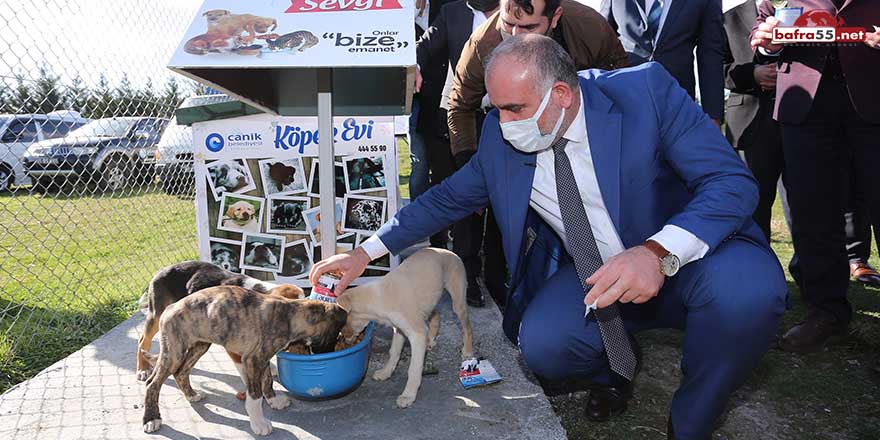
229	211
344	303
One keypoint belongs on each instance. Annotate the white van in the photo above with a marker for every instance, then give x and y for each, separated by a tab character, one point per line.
18	132
174	153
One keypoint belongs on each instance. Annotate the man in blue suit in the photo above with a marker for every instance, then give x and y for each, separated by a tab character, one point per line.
668	31
624	168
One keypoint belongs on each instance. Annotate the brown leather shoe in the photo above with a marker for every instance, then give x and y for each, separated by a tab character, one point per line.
606	401
865	274
811	334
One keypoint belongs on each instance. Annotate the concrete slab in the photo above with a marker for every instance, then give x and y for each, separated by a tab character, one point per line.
93	394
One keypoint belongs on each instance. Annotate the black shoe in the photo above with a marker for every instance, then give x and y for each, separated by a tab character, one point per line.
812	334
475	295
608	401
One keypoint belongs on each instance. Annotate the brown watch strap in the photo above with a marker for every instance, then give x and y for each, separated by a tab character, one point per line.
656	248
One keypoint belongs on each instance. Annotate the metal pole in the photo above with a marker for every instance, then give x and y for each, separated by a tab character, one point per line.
326	163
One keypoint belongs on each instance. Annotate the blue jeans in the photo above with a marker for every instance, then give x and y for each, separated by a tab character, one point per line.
728	304
418	156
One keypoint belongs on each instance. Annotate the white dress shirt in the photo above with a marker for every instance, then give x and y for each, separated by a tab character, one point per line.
544	201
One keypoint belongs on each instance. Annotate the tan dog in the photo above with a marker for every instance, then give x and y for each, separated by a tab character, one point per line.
241	215
404	299
243	321
214	15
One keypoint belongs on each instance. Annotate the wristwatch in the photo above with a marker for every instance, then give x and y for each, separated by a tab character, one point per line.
669	262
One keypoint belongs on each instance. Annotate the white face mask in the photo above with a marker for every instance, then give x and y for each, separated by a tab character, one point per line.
525	135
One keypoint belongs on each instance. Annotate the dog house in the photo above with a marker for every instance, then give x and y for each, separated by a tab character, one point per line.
305	157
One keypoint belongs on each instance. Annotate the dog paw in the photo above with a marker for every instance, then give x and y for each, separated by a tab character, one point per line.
432	343
261	426
142	375
382	374
278	402
153	425
195	397
404	401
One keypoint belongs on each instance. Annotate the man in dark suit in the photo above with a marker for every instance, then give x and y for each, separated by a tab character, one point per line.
667	31
604	185
750	125
826	104
438	52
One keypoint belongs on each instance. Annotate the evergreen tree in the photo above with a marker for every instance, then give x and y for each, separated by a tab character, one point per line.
77	95
47	92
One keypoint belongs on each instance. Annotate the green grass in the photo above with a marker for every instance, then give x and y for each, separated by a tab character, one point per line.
833	394
74	267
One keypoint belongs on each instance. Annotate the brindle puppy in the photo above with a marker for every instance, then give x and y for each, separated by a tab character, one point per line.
242	321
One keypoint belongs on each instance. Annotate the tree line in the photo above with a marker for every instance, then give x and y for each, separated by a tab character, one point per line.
47	93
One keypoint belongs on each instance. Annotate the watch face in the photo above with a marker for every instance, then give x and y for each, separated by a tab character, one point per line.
670	265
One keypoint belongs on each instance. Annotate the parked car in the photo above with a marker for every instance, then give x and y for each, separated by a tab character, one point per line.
174	154
109	152
18	132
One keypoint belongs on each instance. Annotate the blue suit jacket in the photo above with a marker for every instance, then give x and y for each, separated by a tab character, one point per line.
658	159
689	24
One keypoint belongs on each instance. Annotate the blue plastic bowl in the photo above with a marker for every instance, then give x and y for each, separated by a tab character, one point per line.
327	375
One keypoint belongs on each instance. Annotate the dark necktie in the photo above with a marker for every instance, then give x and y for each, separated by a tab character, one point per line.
587	260
654	16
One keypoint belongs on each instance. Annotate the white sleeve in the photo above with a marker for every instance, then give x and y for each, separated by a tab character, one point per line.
681	243
374	247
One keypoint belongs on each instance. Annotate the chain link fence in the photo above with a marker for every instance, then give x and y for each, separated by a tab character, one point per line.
96	182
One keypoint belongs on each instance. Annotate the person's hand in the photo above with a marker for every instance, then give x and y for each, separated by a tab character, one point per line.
717	122
420	7
872	39
350	264
630	276
764	36
418	80
765	76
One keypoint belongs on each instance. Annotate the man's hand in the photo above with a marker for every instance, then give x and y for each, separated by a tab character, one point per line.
764	36
630	276
765	76
418	80
351	264
872	39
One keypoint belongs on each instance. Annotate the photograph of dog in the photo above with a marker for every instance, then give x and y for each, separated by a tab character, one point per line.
229	176
391	300
364	214
177	281
297	261
227	32
240	213
338	180
282	176
364	174
284	215
226	254
341	248
262	252
313	221
251	324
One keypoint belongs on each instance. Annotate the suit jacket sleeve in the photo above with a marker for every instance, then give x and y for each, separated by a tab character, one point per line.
455	198
612	55
433	45
724	194
710	54
467	93
738	77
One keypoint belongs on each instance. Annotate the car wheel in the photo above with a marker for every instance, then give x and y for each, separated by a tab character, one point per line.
115	174
5	178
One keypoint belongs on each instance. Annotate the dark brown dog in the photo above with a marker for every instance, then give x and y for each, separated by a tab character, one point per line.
281	175
243	321
177	281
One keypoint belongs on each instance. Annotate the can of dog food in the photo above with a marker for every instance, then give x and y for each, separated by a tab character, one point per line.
325	289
